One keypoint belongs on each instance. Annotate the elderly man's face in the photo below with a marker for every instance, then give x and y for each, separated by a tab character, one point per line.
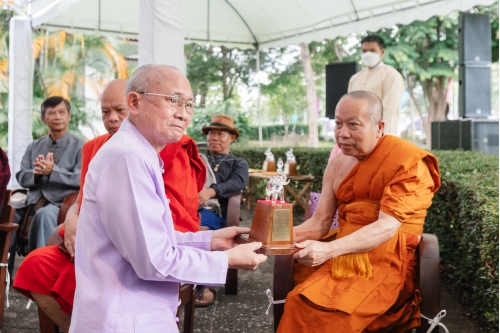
57	118
113	105
356	135
219	141
165	122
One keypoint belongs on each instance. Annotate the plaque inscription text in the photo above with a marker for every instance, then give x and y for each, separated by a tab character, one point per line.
281	225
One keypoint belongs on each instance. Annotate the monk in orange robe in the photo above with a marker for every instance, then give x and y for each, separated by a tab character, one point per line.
364	279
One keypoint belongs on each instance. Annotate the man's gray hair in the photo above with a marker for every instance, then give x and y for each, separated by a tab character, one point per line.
376	109
140	79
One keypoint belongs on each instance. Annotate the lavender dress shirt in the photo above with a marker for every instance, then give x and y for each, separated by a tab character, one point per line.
129	259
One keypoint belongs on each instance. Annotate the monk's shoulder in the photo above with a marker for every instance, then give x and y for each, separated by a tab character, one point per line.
341	165
90	147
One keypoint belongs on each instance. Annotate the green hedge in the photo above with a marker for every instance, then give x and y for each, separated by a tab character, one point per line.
464	216
275	130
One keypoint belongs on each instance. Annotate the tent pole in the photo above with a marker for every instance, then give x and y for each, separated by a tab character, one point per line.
258	98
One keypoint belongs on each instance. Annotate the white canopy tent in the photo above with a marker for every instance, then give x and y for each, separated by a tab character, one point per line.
163	25
267	23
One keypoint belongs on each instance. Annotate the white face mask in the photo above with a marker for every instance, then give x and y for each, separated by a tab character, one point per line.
370	59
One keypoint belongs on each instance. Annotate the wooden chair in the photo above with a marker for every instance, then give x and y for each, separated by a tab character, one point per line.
187	295
233	219
428	279
68	201
6	227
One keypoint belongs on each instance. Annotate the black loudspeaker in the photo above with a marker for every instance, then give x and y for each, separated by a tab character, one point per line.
467	134
480	135
474	91
337	82
446	135
474	39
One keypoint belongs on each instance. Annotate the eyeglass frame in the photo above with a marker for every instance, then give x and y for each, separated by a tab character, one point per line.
179	99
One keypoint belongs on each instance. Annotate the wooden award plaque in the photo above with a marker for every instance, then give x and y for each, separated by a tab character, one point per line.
272	224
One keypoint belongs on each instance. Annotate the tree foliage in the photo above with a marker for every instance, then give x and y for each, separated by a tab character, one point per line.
65	65
286	90
65	61
218	69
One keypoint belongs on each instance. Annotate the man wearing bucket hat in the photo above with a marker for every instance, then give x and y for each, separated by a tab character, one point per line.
226	175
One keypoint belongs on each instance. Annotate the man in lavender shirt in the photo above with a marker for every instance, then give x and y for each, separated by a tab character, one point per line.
129	260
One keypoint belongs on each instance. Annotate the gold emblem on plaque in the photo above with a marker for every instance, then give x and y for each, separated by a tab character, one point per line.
281	225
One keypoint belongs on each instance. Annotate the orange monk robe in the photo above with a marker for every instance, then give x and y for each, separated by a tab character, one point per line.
372	291
88	152
184	177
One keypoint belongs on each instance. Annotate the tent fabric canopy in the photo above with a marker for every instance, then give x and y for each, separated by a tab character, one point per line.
233	23
266	23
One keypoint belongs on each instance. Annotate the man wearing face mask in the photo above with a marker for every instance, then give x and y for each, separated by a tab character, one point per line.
380	79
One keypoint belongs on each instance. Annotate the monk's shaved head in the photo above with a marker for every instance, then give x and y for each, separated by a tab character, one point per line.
375	108
117	85
358	123
113	107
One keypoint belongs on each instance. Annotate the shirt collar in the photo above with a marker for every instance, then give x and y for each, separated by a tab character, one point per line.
60	141
127	126
380	64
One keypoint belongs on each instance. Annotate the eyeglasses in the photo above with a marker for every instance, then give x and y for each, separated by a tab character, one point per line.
175	101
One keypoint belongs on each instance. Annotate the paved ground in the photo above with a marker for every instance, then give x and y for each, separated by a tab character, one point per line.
243	313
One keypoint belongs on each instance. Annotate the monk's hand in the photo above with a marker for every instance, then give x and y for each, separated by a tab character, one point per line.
244	256
205	195
223	239
313	253
70	225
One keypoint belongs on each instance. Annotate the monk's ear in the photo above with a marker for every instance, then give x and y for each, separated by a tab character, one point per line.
132	101
380	128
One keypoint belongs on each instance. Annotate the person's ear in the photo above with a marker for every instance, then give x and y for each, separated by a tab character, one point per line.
233	138
42	118
382	53
132	101
380	129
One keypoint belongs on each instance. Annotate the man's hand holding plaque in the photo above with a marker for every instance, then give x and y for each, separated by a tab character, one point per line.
272	222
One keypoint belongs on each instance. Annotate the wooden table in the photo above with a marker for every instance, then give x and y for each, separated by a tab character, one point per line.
299	193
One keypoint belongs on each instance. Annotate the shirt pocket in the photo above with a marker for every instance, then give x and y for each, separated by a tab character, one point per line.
155	323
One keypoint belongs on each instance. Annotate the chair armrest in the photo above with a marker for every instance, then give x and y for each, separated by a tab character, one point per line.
8	227
68	201
429	278
233	210
20	190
